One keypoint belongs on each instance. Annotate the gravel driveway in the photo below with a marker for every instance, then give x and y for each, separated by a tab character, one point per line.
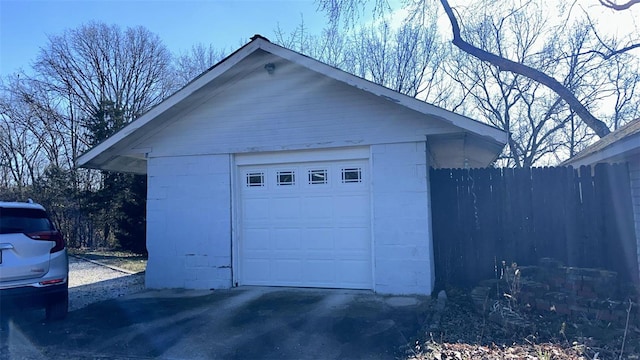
89	283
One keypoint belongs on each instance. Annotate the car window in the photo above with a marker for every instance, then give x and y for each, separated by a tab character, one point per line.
14	220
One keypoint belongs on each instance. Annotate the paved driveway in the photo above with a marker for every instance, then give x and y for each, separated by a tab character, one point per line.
242	323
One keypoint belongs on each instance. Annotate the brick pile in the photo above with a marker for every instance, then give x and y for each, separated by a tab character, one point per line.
551	288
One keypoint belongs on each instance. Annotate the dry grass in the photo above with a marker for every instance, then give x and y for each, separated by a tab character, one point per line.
121	259
466	334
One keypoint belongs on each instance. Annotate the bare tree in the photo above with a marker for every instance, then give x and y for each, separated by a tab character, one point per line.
619	6
505	64
406	59
97	62
337	10
19	149
624	76
29	141
330	46
594	74
50	118
543	128
198	60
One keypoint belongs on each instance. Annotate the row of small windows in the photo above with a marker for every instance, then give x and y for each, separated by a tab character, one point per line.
314	177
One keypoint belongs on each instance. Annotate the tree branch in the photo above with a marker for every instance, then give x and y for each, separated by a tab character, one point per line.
611	4
503	64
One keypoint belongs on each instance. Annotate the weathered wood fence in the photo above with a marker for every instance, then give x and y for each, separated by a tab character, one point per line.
484	216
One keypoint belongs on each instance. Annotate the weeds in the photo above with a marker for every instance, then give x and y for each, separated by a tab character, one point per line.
504	326
511	275
626	329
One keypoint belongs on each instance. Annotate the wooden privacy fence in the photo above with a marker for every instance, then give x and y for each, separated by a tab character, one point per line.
484	216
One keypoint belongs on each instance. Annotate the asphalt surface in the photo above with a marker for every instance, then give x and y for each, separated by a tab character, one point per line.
241	323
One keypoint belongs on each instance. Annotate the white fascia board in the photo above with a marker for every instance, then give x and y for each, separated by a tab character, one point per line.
457	120
615	151
169	102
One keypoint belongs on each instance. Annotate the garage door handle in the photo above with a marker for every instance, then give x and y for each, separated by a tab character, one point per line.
6	246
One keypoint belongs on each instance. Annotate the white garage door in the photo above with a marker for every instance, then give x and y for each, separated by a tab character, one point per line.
306	224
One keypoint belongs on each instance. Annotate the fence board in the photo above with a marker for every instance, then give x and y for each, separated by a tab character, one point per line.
481	216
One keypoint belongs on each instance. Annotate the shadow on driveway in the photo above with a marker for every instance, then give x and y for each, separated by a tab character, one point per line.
242	323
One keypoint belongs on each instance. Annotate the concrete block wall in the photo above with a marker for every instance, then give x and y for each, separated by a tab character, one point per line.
634	176
401	219
189	222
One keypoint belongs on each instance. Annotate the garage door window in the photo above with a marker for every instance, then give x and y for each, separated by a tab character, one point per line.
255	179
286	178
351	175
317	177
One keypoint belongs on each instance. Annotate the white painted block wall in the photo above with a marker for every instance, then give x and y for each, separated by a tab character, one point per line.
403	253
189	222
634	176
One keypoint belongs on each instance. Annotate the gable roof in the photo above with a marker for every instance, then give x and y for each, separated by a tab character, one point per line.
615	147
103	155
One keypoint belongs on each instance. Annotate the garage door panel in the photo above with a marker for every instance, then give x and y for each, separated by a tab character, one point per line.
313	231
257	269
319	239
285	208
287	239
256	239
320	271
288	270
350	207
350	255
286	255
320	255
317	208
312	224
354	272
256	209
352	239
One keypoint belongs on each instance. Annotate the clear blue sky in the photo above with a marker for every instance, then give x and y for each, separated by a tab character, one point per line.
227	24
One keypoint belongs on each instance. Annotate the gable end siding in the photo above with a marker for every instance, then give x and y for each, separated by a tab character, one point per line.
262	113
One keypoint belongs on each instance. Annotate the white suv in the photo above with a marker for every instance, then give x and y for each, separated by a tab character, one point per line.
34	267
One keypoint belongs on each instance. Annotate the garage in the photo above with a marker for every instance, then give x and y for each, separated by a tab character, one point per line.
274	169
305	224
